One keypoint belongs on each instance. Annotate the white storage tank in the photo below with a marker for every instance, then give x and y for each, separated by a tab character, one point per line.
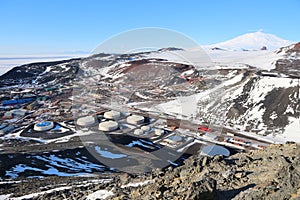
86	121
159	132
138	132
135	119
146	128
108	126
43	126
112	115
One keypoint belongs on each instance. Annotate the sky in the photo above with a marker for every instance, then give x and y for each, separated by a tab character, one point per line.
72	26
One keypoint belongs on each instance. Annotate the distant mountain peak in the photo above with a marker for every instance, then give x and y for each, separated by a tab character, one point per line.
253	41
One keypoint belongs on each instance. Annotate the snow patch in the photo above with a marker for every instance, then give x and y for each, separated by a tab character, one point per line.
292	131
108	154
137	184
33	195
100	194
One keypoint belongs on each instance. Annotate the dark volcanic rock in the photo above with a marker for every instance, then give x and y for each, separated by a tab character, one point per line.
61	71
273	173
290	63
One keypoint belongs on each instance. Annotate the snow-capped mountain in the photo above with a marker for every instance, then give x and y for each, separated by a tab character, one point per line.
252	41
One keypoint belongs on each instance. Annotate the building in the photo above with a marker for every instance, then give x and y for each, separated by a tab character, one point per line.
16	101
6	130
15	113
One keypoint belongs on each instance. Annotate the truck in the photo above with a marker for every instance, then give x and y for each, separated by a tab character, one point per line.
204	128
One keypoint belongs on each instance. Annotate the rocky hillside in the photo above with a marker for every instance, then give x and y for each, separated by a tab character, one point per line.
273	173
290	62
59	72
270	174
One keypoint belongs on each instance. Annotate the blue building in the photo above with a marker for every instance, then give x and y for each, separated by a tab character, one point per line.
16	101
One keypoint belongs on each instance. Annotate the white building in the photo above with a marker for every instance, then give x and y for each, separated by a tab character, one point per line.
138	132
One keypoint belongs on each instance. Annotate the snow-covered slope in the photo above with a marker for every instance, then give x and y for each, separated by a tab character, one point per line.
252	41
265	60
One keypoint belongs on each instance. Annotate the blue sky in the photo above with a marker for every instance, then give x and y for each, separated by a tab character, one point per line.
53	26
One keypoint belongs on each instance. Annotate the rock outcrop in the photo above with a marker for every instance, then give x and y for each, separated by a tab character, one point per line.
273	173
